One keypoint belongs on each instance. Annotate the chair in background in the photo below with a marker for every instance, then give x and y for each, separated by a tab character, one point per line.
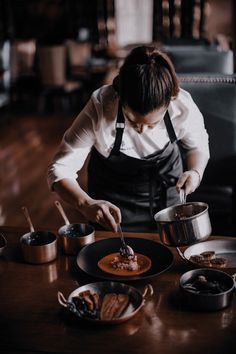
24	80
57	90
79	54
201	59
215	96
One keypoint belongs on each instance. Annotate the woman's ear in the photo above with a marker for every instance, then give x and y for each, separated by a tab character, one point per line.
173	98
116	84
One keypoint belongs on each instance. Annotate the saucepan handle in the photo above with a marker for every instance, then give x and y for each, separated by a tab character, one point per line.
148	291
61	299
182	255
234	279
69	305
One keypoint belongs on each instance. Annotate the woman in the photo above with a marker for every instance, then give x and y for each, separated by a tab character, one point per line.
133	129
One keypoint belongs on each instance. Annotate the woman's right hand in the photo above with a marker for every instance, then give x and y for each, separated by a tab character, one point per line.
103	213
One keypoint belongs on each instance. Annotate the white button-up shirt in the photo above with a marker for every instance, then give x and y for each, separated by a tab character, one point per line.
95	126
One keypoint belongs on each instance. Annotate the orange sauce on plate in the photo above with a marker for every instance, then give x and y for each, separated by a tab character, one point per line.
105	265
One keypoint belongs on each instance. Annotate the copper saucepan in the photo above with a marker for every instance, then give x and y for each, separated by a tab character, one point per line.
74	236
38	246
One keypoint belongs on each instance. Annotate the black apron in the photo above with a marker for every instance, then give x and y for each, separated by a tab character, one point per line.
139	187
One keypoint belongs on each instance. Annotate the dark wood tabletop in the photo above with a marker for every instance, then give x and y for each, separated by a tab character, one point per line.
32	321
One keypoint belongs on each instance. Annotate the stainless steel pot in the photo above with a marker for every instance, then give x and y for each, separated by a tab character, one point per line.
184	224
207	302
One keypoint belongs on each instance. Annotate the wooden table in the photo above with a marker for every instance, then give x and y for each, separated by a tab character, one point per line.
32	321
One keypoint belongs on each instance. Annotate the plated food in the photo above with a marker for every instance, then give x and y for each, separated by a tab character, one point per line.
117	264
105	302
160	256
208	259
109	307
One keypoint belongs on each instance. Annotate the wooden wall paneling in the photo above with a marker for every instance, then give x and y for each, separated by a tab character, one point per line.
187	8
171	17
157	20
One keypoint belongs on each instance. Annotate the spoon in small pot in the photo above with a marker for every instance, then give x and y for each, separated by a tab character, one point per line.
28	219
125	250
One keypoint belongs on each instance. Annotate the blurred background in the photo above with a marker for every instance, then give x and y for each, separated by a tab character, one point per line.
55	53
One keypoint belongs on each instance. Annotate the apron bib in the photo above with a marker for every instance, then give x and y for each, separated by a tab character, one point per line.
139	187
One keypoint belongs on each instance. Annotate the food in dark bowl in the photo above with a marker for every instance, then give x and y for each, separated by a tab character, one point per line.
207	289
202	285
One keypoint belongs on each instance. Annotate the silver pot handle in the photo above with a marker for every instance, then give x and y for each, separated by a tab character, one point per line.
148	291
69	305
182	255
234	279
61	299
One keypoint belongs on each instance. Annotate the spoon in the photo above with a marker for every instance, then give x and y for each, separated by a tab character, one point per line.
62	212
28	219
125	250
183	196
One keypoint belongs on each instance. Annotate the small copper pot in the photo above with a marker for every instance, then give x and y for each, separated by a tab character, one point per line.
39	247
75	236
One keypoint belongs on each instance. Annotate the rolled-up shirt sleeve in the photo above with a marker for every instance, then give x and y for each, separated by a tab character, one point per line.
75	146
190	128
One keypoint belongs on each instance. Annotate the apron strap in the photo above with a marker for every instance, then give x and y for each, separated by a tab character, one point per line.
154	176
120	126
170	128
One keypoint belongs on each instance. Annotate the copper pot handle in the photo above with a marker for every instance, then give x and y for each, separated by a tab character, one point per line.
148	291
234	279
61	299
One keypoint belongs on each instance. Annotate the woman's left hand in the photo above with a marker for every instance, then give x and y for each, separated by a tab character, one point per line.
189	180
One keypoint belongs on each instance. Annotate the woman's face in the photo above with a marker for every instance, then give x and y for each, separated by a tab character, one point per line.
140	122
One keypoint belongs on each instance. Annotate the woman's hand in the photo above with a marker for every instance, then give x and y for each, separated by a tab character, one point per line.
189	180
102	212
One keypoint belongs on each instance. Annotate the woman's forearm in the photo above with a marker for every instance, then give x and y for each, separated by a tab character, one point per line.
71	192
197	161
191	179
99	211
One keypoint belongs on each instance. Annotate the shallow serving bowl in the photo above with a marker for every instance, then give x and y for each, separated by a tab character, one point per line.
137	299
39	247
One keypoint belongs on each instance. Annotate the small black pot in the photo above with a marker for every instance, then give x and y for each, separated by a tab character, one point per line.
207	302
